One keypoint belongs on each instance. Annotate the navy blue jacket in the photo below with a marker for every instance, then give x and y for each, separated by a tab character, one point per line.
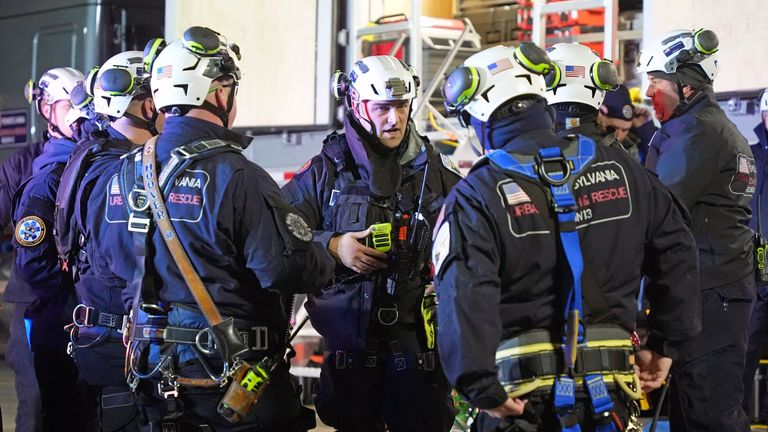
703	158
760	152
13	172
232	221
498	270
373	185
97	285
37	263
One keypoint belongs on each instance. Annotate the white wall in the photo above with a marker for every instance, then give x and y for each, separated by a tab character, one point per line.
741	26
277	42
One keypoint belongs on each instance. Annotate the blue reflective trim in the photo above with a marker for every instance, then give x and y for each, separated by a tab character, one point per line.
28	329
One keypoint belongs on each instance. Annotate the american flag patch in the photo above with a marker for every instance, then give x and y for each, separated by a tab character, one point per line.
514	194
574	71
114	188
164	71
743	165
499	66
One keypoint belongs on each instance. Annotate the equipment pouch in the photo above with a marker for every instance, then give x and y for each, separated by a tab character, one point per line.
245	390
761	270
429	314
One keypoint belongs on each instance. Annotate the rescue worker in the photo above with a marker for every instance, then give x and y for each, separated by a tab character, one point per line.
517	254
120	92
37	266
704	160
82	118
13	172
250	247
758	327
380	366
576	85
616	116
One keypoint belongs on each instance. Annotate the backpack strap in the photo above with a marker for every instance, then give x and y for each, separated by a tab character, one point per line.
66	231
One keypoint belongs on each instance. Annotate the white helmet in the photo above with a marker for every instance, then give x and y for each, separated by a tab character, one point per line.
55	85
182	72
681	47
81	105
579	75
117	82
383	78
494	76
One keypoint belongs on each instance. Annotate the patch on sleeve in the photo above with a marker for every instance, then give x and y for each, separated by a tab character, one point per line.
448	164
304	167
744	180
441	246
30	231
298	227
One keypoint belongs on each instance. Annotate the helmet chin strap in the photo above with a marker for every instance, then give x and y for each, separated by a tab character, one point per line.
54	127
223	115
143	122
370	127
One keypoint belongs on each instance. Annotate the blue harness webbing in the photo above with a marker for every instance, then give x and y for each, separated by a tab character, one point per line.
552	168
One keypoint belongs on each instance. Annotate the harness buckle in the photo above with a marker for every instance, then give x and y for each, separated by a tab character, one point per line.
388	316
182	153
426	361
261	338
138	224
169	390
342	359
124	325
86	322
107	320
199	342
137	200
541	169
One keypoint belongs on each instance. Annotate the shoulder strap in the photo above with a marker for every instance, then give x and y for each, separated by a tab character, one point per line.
335	149
65	230
168	233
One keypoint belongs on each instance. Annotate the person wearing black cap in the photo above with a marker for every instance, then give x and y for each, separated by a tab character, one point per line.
701	156
616	116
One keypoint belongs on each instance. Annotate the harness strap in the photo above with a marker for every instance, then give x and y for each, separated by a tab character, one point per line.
256	338
86	316
565	403
602	406
565	208
180	257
